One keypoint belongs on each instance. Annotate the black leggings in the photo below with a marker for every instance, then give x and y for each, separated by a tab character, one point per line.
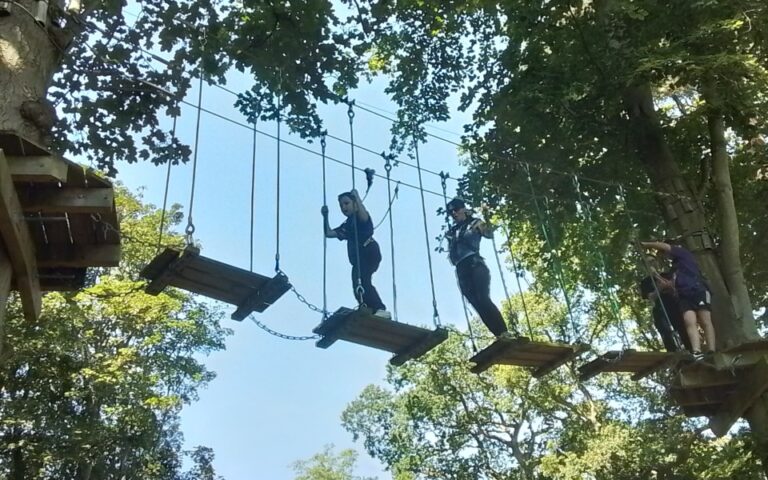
475	285
370	258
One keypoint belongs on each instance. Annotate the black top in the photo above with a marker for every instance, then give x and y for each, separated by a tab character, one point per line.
668	297
346	231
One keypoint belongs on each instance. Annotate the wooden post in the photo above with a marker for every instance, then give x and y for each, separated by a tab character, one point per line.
6	272
18	244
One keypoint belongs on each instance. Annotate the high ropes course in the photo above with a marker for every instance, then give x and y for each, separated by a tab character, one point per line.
58	218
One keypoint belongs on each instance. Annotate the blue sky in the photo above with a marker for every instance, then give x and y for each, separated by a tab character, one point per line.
275	401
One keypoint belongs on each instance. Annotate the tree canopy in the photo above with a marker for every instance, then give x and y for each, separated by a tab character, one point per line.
94	390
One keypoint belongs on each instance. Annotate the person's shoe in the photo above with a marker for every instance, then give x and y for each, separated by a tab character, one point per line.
382	314
697	356
506	336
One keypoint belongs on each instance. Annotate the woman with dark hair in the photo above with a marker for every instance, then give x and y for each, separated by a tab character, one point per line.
362	250
464	253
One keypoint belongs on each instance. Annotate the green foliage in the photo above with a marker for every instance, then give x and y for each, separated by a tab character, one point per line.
94	389
328	465
436	420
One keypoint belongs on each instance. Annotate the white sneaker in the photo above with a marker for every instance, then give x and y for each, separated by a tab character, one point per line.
383	314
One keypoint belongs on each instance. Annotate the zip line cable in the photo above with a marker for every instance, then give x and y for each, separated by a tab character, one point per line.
253	188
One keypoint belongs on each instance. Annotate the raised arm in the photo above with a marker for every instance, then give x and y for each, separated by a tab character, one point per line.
664	247
362	213
485	229
328	231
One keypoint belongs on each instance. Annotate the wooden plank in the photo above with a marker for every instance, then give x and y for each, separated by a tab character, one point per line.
15	144
38	169
752	384
521	352
262	298
755	345
70	200
6	271
360	327
421	347
166	271
564	358
68	255
671	360
697	375
18	243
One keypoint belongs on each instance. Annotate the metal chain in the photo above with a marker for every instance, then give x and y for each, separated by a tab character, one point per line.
281	335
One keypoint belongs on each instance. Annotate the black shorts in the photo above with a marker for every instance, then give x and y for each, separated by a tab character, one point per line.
695	301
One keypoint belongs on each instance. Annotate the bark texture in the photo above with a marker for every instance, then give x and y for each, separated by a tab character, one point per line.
28	60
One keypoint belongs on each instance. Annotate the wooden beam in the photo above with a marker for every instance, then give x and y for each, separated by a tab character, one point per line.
74	256
70	200
6	271
752	384
19	245
38	169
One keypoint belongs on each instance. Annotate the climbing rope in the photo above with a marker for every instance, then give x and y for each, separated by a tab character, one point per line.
435	314
323	145
639	251
587	212
547	239
359	290
167	186
388	170
277	188
444	176
190	230
518	274
496	252
253	186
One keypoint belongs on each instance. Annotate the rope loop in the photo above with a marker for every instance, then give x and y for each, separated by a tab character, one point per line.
350	109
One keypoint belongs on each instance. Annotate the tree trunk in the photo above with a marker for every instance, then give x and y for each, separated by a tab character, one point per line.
28	60
684	213
686	216
733	274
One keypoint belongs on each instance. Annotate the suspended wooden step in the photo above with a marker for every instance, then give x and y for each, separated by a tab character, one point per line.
188	270
543	357
639	364
360	326
724	386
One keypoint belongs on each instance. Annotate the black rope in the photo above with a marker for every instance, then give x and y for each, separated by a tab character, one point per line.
253	187
325	239
388	169
435	314
167	186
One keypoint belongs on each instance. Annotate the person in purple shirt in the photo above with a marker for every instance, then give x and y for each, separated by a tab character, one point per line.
693	294
362	250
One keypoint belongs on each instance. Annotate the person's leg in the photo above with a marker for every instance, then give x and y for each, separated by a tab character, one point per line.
489	313
370	257
665	330
704	318
692	329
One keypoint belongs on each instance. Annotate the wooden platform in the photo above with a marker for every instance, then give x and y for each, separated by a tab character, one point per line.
543	357
359	326
188	270
57	218
639	364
